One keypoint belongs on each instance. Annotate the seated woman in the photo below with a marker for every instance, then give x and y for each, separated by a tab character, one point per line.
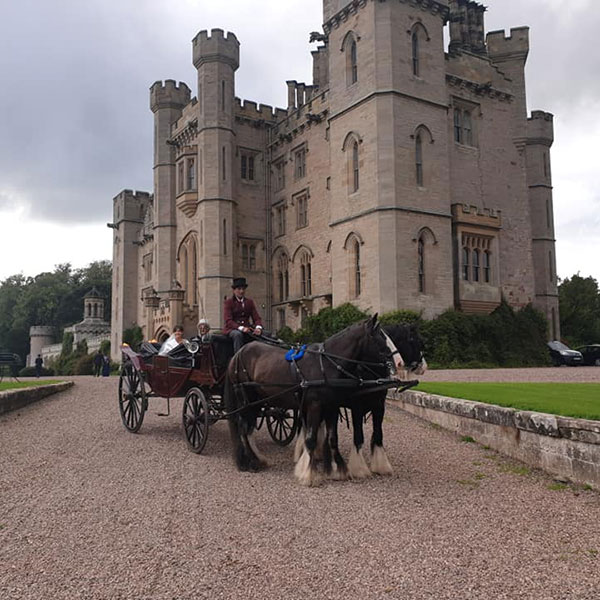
173	341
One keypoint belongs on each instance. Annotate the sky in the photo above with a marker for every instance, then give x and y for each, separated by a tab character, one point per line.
76	128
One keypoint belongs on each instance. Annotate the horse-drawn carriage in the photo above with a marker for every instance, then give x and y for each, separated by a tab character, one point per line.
195	371
276	384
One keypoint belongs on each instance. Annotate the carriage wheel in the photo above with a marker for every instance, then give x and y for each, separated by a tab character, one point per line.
282	424
196	419
132	398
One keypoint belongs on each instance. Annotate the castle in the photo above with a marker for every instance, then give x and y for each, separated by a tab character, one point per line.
403	177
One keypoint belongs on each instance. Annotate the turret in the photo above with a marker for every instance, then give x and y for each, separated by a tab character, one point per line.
540	135
510	55
166	102
216	57
467	26
39	336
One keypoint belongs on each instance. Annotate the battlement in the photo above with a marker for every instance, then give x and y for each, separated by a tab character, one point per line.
216	47
46	331
169	95
250	110
129	195
501	48
540	128
469	214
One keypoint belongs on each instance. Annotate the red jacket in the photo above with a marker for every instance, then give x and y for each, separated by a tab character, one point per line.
236	313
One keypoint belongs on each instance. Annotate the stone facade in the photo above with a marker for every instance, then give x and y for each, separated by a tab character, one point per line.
403	177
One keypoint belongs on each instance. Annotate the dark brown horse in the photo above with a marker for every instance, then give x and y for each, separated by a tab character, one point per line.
317	385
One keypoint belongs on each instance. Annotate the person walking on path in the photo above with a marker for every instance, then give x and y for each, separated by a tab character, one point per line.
39	363
98	360
240	315
105	366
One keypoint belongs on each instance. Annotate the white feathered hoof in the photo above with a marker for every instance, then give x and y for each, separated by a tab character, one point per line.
339	474
299	446
304	474
380	463
357	466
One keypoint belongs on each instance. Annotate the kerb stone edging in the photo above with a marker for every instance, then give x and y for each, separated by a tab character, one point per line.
14	399
566	448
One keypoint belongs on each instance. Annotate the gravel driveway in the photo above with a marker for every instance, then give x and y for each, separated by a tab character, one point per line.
88	510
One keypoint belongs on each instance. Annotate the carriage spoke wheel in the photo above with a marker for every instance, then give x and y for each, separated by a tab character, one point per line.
132	398
196	418
282	424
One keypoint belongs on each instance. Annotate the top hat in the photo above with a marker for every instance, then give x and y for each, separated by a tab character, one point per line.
239	282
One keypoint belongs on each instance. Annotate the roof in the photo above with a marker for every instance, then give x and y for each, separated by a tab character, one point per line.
93	293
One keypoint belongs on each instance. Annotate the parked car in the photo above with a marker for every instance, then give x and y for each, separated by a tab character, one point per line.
563	355
591	354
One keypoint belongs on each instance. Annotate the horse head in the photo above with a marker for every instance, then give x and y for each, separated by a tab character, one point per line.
407	340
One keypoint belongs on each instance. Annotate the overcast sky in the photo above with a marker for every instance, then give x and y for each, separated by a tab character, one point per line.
75	126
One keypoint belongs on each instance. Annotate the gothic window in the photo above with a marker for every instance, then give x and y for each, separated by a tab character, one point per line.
550	266
419	159
279	175
476	264
188	268
355	172
280	219
466	269
301	211
223	163
180	177
283	280
487	265
224	236
147	262
223	95
356	267
191	174
353	63
249	257
464	132
247	167
300	163
548	214
415	53
305	275
421	264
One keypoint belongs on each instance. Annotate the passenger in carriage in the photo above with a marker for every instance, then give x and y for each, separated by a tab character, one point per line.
240	315
204	333
173	341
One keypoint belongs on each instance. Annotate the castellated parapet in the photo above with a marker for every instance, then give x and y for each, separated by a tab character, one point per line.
252	110
169	95
516	45
216	47
540	127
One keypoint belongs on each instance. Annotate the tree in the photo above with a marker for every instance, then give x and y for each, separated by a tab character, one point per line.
579	305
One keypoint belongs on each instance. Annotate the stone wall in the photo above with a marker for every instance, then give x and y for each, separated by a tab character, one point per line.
564	447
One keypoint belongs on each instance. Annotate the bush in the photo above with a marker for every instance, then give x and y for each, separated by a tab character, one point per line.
105	347
84	365
400	316
30	372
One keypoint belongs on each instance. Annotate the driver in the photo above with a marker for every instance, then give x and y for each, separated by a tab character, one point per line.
240	315
173	341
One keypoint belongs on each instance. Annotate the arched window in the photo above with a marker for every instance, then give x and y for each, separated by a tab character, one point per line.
421	264
357	282
355	173
353	63
476	264
465	263
419	159
188	268
351	51
283	280
305	275
415	53
550	266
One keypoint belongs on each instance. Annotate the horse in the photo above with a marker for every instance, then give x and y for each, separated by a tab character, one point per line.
409	344
316	385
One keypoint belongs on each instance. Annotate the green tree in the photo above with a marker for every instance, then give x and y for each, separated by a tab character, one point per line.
579	305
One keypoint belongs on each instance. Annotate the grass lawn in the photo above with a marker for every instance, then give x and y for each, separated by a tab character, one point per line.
580	400
13	385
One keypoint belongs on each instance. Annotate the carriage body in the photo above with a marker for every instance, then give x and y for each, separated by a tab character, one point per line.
196	376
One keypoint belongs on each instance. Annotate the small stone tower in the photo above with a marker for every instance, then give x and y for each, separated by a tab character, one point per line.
39	336
166	102
216	57
540	135
93	306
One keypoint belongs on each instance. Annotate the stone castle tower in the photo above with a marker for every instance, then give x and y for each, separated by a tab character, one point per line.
402	177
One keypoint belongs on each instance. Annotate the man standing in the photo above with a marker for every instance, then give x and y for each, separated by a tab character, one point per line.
240	315
39	363
98	359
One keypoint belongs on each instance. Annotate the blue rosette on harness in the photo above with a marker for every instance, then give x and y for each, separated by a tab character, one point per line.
294	354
